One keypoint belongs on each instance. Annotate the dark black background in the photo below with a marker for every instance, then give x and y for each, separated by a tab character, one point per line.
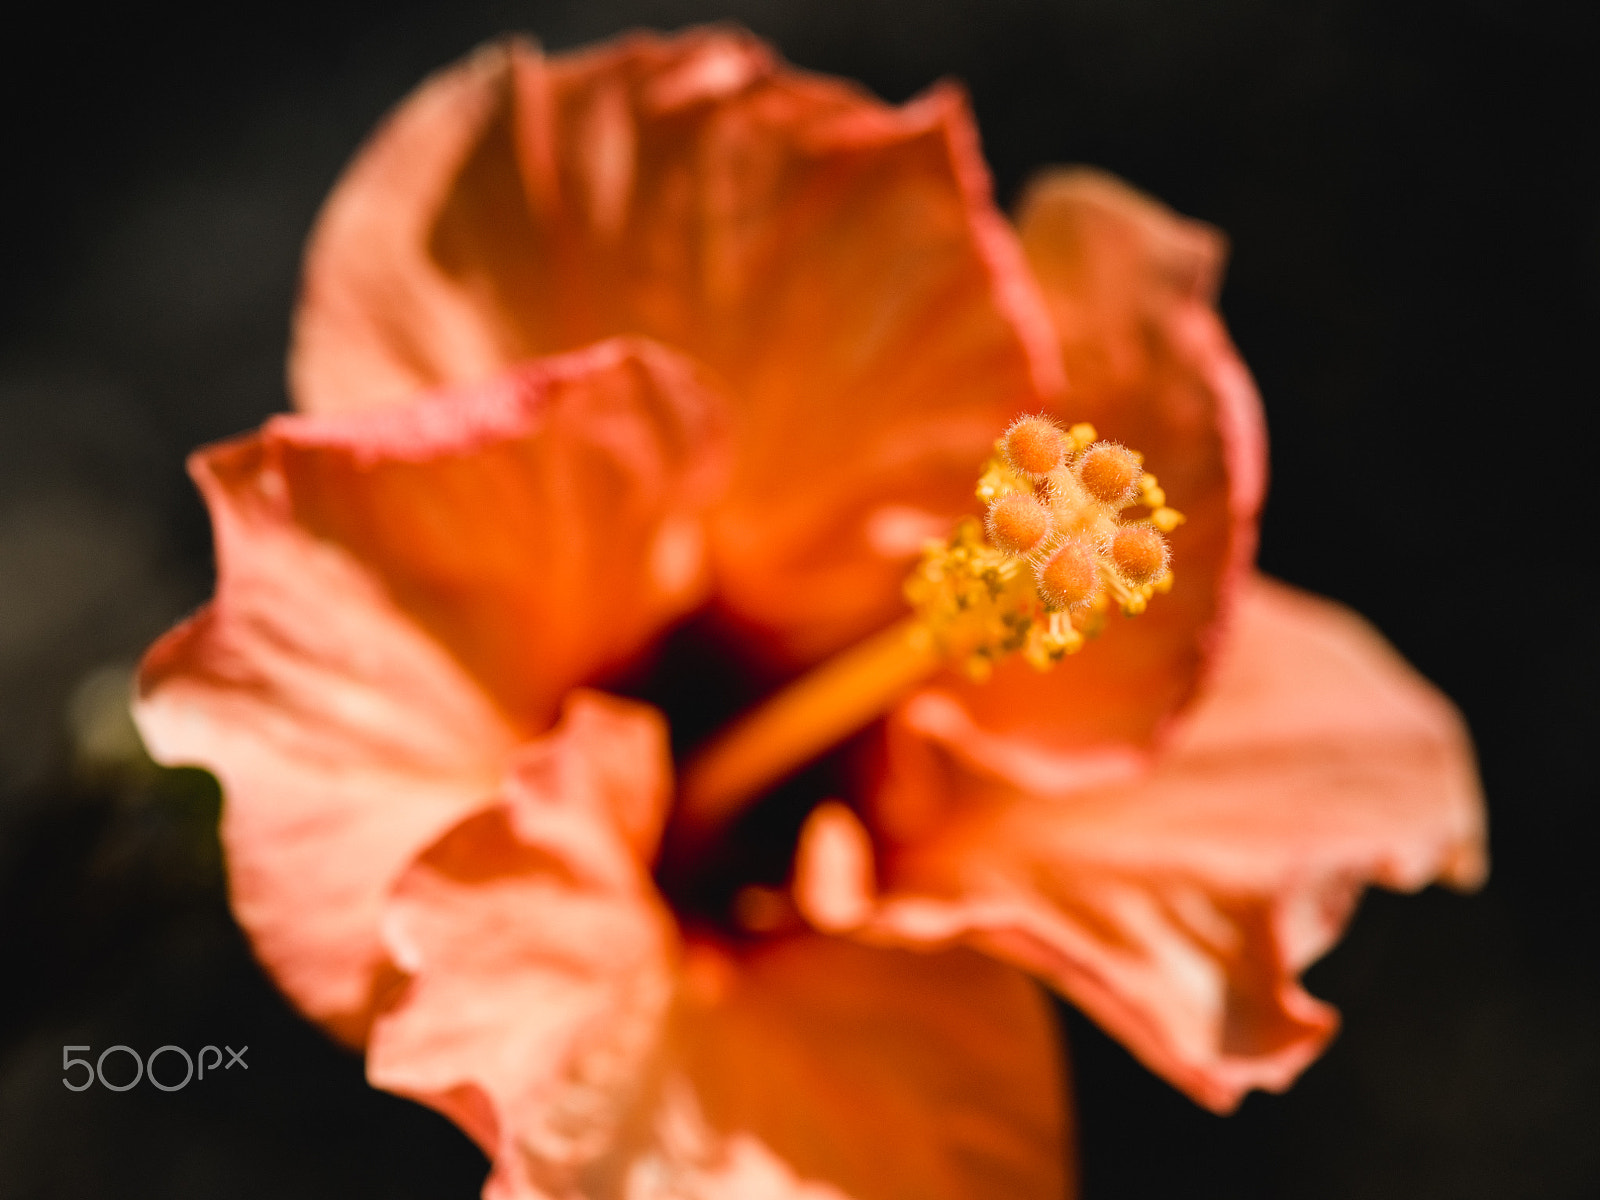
1413	194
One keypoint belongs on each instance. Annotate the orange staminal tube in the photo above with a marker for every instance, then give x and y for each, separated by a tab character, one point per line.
1058	552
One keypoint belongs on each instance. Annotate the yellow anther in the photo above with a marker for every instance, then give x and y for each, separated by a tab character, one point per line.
1166	519
1051	640
1056	556
1033	446
1073	511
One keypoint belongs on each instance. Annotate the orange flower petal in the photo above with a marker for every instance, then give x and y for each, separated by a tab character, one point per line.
1130	286
886	1073
553	1012
1179	907
402	597
837	262
540	957
544	527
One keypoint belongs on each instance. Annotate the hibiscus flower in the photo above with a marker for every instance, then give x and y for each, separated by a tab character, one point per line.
624	369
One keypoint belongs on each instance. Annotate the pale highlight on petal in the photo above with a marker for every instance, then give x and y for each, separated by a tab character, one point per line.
834	884
1178	907
554	1011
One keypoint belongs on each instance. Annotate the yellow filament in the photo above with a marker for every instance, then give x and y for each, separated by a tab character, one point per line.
808	717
